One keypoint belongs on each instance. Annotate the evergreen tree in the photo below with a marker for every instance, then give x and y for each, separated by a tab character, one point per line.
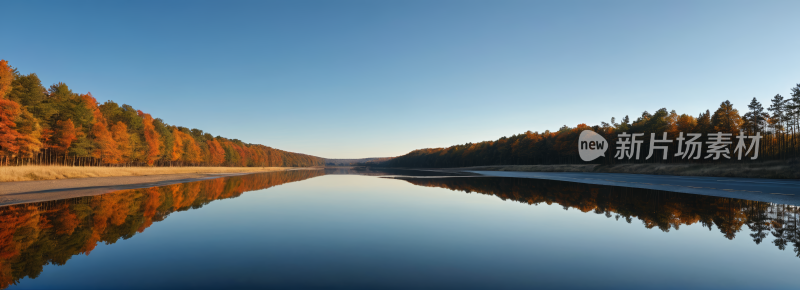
704	123
726	119
793	109
754	117
777	108
28	91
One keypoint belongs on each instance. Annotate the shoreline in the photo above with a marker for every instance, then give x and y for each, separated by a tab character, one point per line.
21	192
765	190
30	173
789	169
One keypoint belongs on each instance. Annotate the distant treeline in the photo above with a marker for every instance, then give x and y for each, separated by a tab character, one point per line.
353	162
779	125
53	125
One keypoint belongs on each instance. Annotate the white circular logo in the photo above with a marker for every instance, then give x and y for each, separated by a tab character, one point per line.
591	145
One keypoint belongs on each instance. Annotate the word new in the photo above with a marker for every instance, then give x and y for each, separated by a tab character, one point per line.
717	145
592	145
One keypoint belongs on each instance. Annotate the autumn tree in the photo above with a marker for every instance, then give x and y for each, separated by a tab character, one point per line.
191	153
105	146
6	76
686	123
64	135
217	154
152	138
29	129
9	110
672	126
177	146
119	133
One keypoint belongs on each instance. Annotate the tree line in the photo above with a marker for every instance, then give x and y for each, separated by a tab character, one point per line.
778	124
37	234
56	126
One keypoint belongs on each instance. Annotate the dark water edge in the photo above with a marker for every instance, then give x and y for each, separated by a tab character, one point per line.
51	233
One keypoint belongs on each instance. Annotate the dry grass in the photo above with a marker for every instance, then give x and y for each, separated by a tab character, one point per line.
789	169
23	173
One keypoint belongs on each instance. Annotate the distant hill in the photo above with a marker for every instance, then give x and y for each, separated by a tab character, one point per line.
349	162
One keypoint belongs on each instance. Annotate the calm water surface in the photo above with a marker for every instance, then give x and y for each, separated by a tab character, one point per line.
341	229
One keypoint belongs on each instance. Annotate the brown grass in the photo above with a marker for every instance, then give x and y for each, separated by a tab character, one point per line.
23	173
770	169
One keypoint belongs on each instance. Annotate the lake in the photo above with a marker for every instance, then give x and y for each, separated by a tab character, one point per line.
401	229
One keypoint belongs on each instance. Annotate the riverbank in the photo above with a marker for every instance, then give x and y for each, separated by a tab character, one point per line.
19	192
766	190
789	169
28	173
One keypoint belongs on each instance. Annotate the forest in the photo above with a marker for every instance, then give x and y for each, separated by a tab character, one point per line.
37	234
55	126
778	124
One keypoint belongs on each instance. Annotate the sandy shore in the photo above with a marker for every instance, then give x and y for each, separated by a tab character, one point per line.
25	173
789	169
19	192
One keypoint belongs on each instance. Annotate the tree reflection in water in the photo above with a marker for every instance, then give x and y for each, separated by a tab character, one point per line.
36	234
656	209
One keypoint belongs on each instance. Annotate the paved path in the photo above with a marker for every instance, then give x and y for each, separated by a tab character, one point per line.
784	191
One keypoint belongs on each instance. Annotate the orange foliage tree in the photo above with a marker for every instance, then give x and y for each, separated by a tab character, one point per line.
177	145
151	137
9	111
119	132
192	154
28	141
105	146
63	136
216	153
6	76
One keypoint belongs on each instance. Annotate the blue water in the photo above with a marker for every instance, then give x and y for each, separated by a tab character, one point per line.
367	232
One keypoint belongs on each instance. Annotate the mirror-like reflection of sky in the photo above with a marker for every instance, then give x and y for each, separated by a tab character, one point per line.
350	232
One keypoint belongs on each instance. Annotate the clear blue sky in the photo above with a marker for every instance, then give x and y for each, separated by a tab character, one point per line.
352	79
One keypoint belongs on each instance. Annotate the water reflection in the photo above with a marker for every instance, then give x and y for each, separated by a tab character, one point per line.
389	171
656	209
34	235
